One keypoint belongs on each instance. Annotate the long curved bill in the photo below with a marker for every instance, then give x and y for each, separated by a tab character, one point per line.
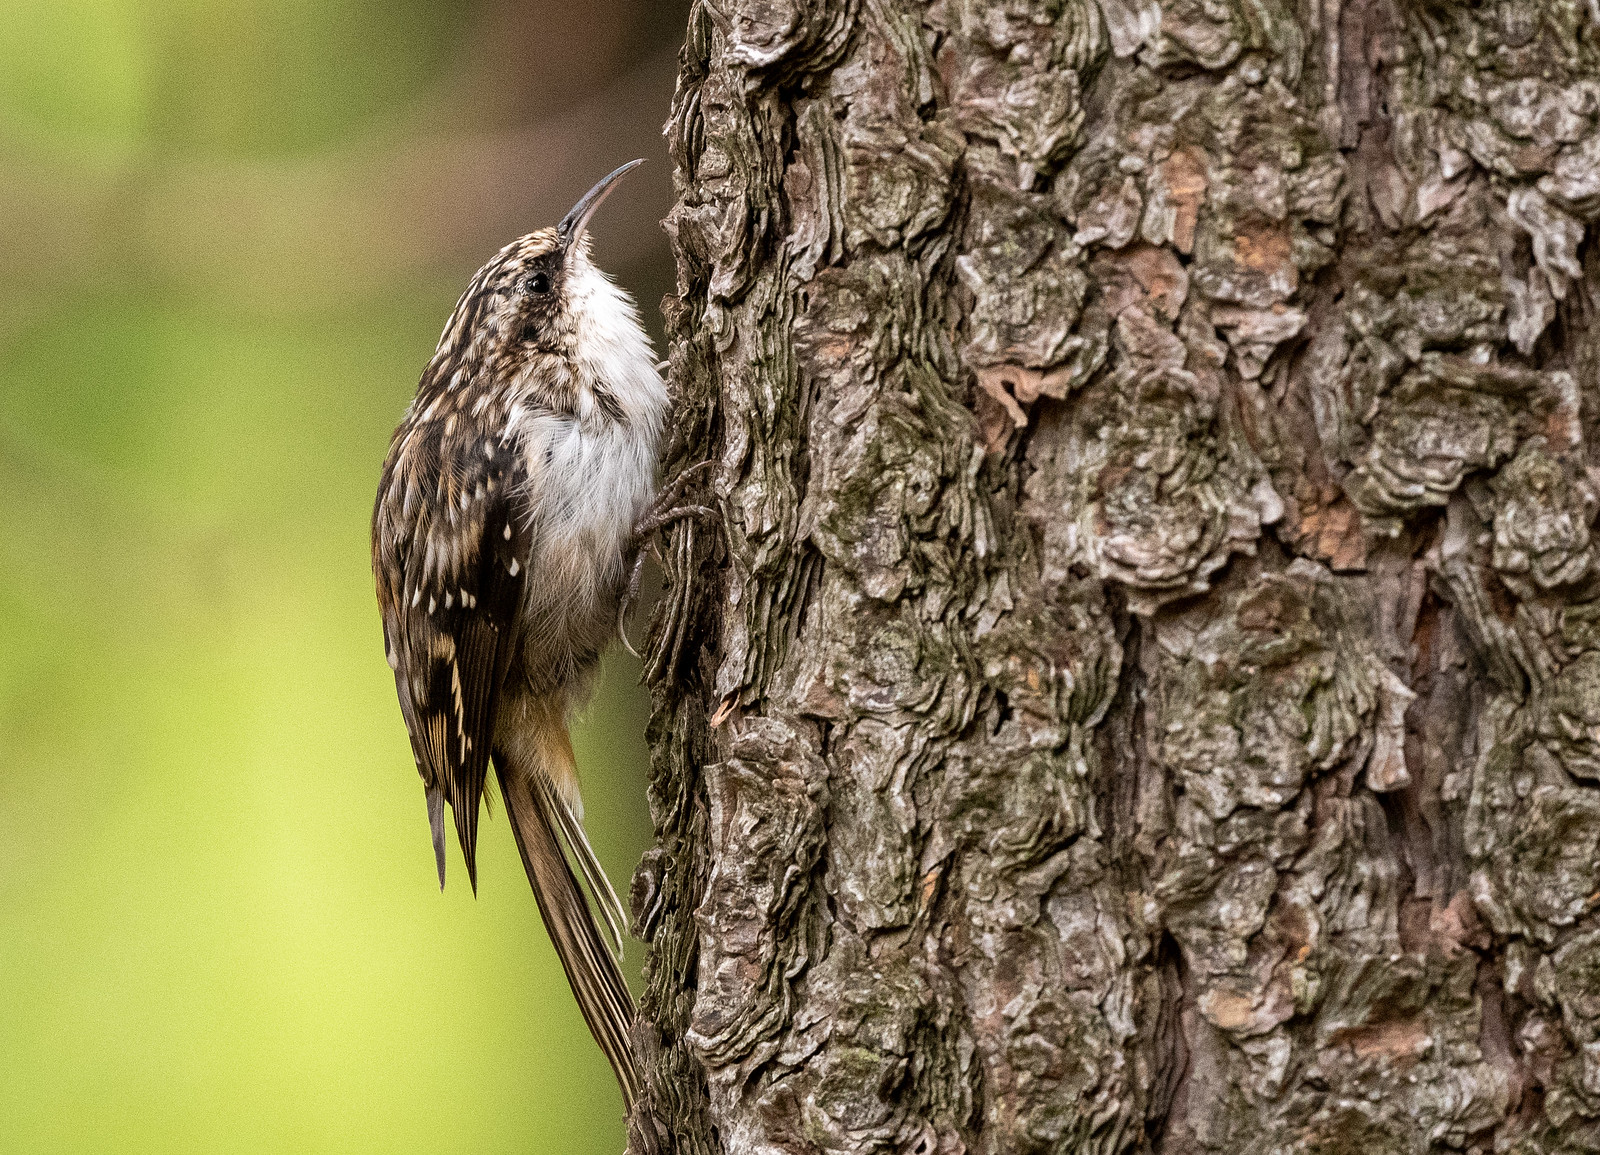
575	222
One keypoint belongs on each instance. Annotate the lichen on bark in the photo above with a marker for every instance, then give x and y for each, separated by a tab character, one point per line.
1142	688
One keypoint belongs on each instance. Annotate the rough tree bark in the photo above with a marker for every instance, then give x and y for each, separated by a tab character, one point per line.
1144	690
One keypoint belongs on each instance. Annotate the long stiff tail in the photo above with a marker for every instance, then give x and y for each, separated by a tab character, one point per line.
537	813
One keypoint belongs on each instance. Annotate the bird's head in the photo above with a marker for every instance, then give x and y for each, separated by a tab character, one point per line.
538	298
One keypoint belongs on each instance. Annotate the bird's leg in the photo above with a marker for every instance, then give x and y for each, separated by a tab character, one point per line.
663	511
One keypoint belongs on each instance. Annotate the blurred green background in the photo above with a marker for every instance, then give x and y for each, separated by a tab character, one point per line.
230	233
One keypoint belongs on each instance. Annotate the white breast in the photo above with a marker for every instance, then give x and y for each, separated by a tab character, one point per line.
591	474
587	487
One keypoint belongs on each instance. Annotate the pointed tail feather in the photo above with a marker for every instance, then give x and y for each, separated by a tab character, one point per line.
594	875
536	814
436	825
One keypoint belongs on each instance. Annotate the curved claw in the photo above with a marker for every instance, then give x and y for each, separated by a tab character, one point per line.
629	596
622	628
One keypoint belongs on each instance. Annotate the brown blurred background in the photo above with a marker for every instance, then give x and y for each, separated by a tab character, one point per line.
229	235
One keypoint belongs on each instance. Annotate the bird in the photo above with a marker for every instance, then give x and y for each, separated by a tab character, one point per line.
510	509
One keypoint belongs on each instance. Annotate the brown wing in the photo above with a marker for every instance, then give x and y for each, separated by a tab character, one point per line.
450	543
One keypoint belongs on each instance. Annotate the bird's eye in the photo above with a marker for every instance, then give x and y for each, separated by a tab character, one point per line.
538	283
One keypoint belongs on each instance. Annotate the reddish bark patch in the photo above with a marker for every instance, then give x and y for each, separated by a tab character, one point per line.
1185	172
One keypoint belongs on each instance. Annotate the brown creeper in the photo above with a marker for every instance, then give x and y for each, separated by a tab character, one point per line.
504	523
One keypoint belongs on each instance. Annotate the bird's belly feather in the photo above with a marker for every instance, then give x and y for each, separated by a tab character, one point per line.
587	485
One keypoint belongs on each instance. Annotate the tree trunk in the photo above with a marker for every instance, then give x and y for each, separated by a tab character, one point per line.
1142	689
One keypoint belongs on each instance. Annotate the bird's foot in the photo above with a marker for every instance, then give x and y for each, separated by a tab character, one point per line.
663	511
